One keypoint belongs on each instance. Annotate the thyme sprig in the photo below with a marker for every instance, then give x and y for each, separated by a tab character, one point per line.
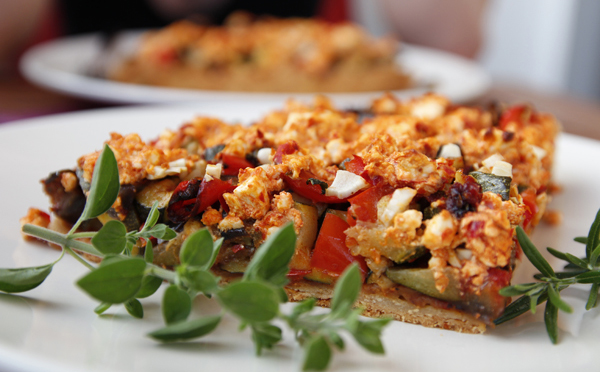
124	277
550	283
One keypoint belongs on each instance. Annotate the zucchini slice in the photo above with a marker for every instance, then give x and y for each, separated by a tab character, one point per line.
306	237
160	192
421	280
487	302
493	183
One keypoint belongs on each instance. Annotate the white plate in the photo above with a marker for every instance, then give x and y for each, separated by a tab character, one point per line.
61	65
54	328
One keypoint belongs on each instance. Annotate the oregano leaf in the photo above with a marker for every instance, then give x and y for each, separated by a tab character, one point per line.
150	284
197	249
23	279
134	308
317	354
105	185
149	252
111	238
176	305
271	260
115	282
346	290
187	330
250	301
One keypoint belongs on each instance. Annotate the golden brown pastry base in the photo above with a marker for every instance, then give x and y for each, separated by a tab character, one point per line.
345	78
378	304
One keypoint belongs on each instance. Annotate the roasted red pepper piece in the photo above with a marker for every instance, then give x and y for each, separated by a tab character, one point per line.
314	192
212	191
363	207
232	164
182	203
331	255
194	196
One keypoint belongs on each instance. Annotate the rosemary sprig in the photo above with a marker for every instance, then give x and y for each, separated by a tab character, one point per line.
550	283
123	278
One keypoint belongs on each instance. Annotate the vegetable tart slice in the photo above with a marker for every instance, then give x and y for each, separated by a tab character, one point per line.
424	196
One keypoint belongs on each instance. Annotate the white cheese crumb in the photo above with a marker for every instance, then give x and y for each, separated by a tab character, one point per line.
489	162
345	184
214	170
464	254
450	151
539	152
264	155
502	168
399	202
175	167
429	109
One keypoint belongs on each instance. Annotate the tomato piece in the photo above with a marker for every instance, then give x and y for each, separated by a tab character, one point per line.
232	164
287	148
304	187
331	255
531	208
363	207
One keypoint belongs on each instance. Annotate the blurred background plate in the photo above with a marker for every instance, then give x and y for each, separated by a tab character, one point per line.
61	65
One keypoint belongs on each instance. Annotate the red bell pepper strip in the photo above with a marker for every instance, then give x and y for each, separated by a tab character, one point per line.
331	255
232	164
304	187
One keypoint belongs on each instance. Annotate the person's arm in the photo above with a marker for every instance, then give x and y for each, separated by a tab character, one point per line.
454	25
18	21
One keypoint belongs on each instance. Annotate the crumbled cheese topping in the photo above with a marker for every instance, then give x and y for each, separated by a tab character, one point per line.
214	170
175	167
345	184
264	155
492	160
502	168
450	151
539	152
399	202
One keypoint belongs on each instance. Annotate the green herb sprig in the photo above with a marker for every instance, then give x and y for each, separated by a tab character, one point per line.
124	278
550	283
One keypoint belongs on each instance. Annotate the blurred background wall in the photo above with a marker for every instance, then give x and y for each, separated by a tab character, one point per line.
549	45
